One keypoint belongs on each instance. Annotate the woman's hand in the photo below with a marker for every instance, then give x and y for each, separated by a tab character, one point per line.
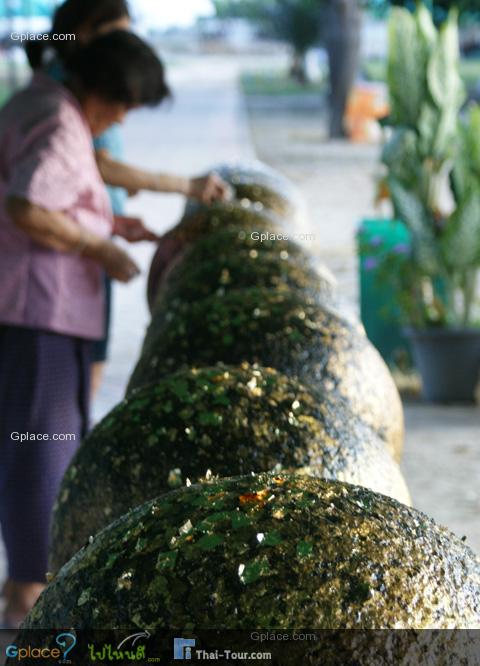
133	230
56	231
208	189
117	263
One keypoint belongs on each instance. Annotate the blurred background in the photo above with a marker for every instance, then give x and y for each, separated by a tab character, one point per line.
300	85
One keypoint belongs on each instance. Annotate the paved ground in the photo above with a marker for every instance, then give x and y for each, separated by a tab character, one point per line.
442	466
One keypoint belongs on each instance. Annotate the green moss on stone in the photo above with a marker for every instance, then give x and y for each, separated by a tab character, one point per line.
269	551
200	223
203	220
227	260
267	196
226	241
222	421
285	330
257	185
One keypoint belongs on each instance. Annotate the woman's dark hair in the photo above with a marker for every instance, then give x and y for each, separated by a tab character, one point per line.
119	67
69	18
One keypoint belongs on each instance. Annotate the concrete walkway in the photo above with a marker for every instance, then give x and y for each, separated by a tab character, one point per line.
442	466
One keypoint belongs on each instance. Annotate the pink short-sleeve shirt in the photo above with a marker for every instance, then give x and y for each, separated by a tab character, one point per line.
47	158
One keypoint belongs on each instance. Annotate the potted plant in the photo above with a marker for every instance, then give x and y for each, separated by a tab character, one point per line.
432	161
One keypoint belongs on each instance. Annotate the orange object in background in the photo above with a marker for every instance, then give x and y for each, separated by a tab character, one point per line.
366	104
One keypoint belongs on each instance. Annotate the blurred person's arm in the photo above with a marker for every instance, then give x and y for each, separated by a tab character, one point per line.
132	229
56	231
117	174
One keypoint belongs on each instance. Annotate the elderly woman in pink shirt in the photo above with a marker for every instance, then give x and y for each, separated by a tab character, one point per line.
55	230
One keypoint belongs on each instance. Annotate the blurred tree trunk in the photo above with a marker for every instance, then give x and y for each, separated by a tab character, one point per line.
343	27
298	69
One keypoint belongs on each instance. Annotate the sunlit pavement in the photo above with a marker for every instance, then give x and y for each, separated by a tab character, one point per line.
441	464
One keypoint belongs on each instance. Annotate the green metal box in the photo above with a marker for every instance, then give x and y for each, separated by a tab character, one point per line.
378	299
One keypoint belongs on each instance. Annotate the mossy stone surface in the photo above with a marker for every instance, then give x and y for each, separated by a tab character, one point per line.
229	260
285	330
257	182
192	281
204	219
260	185
222	421
269	551
229	239
268	196
199	223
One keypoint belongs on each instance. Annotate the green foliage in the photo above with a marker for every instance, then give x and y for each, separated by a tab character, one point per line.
298	22
469	9
238	9
466	170
375	69
433	169
407	60
275	83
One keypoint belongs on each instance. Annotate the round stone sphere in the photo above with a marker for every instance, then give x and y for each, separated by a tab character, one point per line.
214	421
202	221
285	330
256	183
191	280
205	219
230	239
229	259
267	551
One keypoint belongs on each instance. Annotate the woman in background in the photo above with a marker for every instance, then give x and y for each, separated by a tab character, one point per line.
87	19
55	245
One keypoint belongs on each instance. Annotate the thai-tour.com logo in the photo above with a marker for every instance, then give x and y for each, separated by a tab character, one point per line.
28	653
183	649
